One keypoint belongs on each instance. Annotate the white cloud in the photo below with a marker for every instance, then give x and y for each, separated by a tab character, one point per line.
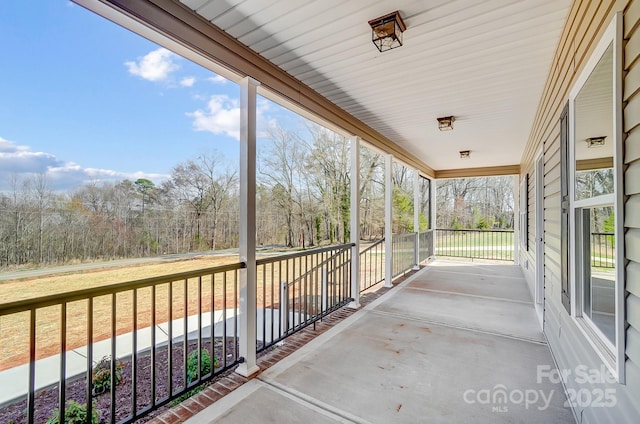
16	159
71	175
217	79
154	66
187	81
7	146
264	122
23	162
222	116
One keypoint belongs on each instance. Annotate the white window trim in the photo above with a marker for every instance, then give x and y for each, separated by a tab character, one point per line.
612	355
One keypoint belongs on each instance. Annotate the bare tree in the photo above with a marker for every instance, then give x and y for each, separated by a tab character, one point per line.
283	169
371	194
192	187
329	166
475	202
41	193
220	180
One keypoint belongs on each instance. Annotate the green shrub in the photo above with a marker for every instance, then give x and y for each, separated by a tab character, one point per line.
482	224
192	373
455	224
102	375
74	413
205	364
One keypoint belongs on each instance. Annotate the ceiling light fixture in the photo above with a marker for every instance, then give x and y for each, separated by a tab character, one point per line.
446	123
595	141
465	154
386	31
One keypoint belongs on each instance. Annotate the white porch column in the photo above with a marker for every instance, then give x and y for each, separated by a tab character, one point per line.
516	219
355	222
416	217
388	220
432	214
247	251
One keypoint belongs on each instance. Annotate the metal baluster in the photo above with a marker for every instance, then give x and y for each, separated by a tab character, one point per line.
170	335
63	360
89	373
153	346
224	318
113	358
213	323
134	356
185	332
32	364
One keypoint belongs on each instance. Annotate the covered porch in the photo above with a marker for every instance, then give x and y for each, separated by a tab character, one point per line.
455	342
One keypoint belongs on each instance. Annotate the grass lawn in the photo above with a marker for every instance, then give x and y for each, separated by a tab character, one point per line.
14	337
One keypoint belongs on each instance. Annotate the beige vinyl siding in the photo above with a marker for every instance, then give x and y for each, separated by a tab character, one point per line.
585	24
631	117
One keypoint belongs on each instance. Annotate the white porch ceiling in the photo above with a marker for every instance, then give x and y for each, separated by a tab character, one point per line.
485	62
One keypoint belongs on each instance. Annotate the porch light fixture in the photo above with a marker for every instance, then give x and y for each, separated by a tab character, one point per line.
465	154
386	31
595	141
446	123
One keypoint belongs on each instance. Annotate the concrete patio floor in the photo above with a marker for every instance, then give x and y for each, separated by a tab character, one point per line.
455	343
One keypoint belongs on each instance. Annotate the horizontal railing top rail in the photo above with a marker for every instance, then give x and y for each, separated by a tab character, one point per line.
499	230
371	247
23	305
404	235
301	253
334	252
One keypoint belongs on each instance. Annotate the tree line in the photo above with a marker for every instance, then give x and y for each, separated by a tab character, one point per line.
475	203
303	201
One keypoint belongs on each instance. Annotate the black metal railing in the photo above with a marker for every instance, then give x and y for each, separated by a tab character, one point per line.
166	335
477	244
372	265
296	290
425	246
403	251
603	250
121	350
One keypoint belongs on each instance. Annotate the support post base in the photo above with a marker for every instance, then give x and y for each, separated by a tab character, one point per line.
247	372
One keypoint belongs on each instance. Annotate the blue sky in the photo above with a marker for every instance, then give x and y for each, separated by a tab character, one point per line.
83	99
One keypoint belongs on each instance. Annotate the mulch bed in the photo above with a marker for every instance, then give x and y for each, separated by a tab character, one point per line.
46	400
